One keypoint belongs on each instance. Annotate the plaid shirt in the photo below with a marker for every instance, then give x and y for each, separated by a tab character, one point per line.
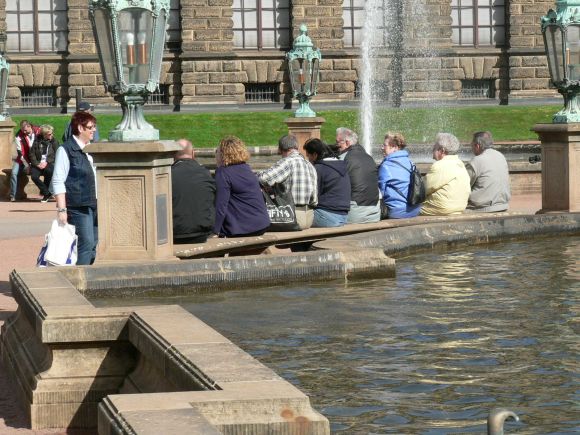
298	176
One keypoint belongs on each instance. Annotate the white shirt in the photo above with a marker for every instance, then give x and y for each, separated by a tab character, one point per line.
62	166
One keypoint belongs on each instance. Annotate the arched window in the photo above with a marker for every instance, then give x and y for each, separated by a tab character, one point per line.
261	24
478	22
36	26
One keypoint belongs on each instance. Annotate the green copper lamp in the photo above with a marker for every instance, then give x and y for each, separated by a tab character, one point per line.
561	31
303	66
130	38
4	73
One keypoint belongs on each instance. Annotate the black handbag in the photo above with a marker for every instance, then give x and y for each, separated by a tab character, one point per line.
281	209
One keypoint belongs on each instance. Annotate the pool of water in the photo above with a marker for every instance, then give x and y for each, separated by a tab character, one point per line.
430	351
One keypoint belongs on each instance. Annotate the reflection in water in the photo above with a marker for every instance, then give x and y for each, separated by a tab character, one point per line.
430	351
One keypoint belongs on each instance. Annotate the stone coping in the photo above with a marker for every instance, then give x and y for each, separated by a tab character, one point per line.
222	246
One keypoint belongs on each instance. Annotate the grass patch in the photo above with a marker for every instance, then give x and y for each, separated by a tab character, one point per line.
264	128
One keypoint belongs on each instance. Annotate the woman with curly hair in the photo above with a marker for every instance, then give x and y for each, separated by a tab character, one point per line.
239	206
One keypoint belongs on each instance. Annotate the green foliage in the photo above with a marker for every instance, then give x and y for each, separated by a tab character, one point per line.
265	128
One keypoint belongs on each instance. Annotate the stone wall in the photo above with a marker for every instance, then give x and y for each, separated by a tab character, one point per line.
209	70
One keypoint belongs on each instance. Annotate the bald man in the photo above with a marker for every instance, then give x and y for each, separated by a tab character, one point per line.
193	197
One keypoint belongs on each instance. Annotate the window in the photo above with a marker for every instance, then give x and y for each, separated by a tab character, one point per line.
173	37
159	97
353	15
477	89
36	26
478	22
262	92
261	24
38	97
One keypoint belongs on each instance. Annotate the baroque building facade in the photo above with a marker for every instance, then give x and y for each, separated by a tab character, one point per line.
233	51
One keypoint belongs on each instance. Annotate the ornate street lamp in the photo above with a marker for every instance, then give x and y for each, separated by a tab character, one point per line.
303	65
130	37
4	72
561	31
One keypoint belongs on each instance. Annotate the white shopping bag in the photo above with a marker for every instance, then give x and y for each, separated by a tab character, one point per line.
60	247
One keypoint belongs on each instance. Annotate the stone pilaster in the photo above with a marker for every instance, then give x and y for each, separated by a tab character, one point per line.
207	25
324	21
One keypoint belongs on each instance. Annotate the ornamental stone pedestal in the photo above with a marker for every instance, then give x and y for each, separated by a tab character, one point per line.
560	166
6	151
134	200
304	129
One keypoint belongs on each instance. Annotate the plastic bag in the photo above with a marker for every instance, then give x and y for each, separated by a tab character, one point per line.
60	246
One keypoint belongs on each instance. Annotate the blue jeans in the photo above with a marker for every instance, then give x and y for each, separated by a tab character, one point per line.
86	228
14	178
325	218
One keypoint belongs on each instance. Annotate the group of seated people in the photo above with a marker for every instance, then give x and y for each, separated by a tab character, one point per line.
331	185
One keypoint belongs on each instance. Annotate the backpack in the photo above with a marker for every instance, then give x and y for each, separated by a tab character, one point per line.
416	194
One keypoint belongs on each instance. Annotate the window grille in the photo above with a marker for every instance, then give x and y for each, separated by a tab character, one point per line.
38	97
160	96
478	23
477	89
261	24
262	93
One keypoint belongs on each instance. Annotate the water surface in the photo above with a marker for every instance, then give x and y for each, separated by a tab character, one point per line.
430	351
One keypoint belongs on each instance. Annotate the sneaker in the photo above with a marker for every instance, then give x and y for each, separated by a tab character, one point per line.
12	199
45	198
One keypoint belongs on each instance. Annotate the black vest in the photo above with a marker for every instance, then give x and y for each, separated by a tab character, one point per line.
80	183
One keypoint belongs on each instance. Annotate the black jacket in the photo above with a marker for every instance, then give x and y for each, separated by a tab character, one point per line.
193	199
43	146
333	186
364	175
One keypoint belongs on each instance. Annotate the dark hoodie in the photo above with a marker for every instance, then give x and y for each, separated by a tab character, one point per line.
333	185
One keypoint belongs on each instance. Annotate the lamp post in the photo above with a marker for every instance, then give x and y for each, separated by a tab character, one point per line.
130	38
561	139
4	72
303	66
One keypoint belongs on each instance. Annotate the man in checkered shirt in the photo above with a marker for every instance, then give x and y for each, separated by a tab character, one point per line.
298	176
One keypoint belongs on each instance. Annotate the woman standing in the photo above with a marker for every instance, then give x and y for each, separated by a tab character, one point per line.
333	185
240	209
74	186
395	176
42	156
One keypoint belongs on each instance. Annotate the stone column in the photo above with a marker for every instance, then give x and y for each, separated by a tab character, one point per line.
560	166
304	129
6	151
134	200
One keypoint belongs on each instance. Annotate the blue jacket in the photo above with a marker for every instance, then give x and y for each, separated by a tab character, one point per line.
392	175
240	208
333	186
80	182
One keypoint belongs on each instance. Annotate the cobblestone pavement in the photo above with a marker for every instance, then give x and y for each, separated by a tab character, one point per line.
22	229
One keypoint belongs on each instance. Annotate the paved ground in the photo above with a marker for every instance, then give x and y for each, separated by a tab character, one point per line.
22	229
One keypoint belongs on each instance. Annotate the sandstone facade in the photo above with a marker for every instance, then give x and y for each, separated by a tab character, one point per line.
209	69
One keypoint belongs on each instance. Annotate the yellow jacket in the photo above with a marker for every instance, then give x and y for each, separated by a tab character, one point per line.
447	187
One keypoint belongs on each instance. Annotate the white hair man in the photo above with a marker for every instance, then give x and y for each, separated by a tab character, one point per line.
364	178
489	175
447	182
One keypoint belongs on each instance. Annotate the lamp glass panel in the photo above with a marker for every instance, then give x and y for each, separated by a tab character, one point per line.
295	68
307	67
554	50
158	45
314	75
573	52
104	39
136	30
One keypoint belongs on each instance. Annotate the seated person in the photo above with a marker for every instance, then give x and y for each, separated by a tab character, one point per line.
193	197
298	177
23	141
240	208
395	177
362	170
42	155
333	185
489	175
447	182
